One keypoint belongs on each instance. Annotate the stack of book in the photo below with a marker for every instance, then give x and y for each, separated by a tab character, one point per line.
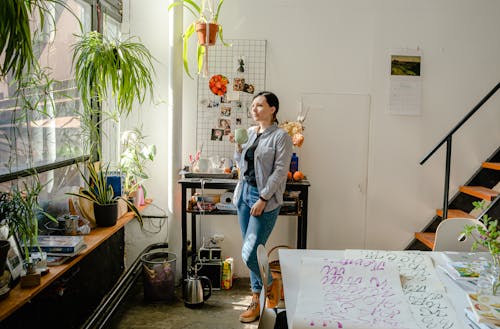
59	248
484	311
465	268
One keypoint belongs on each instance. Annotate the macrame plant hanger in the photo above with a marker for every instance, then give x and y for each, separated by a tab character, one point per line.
208	17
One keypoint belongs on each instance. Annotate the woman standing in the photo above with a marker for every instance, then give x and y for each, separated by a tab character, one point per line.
264	161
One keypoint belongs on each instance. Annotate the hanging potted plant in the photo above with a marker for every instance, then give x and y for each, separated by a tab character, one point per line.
105	67
206	26
109	69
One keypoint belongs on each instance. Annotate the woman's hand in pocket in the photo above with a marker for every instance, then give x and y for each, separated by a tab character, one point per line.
258	208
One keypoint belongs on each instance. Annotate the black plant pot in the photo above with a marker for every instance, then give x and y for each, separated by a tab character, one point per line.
106	215
4	250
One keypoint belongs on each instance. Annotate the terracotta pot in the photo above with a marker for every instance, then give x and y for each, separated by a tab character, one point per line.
106	215
201	29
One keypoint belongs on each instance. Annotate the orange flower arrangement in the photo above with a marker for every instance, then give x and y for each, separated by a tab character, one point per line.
295	129
218	84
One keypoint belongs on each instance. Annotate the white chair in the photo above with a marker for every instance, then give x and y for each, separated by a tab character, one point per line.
267	315
449	235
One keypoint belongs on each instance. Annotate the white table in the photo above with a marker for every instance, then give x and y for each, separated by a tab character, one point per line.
290	260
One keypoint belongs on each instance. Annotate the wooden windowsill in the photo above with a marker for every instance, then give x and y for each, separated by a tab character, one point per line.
18	296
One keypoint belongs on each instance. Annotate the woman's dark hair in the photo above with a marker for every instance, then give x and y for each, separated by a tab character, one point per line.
272	100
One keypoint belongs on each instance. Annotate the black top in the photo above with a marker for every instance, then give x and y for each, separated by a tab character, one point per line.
249	158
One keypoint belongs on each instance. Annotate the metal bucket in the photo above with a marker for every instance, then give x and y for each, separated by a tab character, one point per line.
158	273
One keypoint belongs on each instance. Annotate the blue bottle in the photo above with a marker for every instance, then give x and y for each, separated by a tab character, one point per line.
294	163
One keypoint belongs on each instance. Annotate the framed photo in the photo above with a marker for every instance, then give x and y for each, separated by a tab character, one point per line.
225	111
14	259
217	134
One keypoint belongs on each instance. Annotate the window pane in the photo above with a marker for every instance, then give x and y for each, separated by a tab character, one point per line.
40	122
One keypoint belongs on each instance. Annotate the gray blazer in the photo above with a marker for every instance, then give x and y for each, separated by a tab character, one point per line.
272	163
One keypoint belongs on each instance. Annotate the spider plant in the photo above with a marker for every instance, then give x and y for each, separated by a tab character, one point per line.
112	68
16	42
204	12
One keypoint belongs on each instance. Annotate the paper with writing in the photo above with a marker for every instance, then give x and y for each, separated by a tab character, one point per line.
424	291
351	294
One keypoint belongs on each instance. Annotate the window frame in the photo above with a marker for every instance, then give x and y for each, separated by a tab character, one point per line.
113	8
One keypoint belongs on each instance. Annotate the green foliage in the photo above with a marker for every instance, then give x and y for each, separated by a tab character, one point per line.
97	189
487	233
15	35
135	154
203	13
19	210
112	68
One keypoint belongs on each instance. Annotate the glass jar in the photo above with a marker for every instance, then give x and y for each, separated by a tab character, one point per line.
488	282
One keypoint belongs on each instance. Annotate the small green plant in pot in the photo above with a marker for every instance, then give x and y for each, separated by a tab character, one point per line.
133	159
20	211
207	26
101	194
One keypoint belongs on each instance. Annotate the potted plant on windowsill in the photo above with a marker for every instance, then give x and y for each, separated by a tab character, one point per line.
206	25
135	154
101	195
20	212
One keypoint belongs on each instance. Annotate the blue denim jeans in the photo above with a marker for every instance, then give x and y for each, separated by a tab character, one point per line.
255	231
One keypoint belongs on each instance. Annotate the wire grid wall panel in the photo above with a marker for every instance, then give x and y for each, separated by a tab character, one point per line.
218	116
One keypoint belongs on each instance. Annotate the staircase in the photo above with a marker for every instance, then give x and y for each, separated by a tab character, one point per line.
483	185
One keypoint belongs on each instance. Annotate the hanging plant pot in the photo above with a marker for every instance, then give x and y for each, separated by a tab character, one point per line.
106	215
201	29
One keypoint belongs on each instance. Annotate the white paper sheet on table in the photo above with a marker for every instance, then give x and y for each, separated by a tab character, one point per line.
351	294
424	291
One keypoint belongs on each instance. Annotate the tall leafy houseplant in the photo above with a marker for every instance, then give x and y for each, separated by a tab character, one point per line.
110	69
206	15
15	35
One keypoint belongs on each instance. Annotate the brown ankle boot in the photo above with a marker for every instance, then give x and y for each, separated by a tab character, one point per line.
274	294
253	311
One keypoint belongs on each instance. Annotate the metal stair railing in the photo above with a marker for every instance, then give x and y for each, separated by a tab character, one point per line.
448	139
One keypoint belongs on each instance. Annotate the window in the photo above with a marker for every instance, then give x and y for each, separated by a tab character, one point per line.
49	134
40	122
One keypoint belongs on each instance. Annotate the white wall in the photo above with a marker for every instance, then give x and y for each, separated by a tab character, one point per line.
149	23
335	46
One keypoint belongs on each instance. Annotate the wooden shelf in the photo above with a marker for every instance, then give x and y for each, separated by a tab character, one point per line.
18	296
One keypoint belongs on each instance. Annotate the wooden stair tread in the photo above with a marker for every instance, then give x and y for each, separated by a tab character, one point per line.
492	165
479	192
427	238
454	213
